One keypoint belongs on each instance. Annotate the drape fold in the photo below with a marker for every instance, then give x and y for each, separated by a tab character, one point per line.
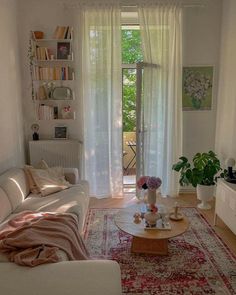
161	35
102	101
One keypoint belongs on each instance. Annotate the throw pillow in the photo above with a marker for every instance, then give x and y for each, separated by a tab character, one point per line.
49	180
32	185
41	165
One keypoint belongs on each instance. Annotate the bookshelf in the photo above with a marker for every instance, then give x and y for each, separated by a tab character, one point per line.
52	74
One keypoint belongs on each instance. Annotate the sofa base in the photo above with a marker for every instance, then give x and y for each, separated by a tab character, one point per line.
91	277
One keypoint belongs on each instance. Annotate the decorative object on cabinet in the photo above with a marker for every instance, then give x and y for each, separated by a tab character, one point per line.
35	129
230	175
197	88
60	132
203	175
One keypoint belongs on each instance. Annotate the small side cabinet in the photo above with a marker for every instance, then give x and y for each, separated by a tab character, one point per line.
226	203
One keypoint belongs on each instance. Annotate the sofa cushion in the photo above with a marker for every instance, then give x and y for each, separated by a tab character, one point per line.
5	205
49	180
72	200
15	185
32	185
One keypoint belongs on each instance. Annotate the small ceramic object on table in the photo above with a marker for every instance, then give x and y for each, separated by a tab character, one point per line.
137	217
176	215
151	218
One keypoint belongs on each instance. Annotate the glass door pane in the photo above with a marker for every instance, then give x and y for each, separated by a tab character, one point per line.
146	110
129	126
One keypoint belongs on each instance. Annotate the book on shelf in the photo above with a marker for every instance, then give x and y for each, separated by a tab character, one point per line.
42	53
53	73
62	32
45	112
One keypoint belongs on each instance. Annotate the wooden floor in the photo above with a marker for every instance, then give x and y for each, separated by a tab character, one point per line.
183	200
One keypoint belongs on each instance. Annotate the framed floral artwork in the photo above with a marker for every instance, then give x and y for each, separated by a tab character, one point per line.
197	88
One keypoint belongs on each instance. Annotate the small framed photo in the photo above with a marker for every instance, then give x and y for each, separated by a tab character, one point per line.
63	50
61	132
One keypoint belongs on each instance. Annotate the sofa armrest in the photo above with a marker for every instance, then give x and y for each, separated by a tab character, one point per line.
91	277
71	175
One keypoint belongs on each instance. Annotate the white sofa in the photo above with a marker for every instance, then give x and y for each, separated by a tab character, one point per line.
62	278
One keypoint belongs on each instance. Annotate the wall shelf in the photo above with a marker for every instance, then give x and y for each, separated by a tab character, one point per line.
52	40
50	59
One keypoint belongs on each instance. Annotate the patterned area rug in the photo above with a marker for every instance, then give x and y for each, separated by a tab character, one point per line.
198	261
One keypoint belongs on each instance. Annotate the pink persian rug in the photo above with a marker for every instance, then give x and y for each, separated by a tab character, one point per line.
198	261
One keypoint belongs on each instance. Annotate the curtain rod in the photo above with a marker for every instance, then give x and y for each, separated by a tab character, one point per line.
129	5
183	5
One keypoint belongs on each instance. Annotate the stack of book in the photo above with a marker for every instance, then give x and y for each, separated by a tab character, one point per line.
62	32
42	53
45	112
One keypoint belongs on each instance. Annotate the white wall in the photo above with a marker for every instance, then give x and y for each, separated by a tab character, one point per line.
226	117
11	127
201	47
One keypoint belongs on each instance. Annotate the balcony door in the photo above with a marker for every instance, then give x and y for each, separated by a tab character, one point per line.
145	128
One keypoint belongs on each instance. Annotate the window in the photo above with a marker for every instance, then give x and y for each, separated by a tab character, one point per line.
131	54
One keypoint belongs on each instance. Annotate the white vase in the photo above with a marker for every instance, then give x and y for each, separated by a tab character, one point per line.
151	218
152	197
204	194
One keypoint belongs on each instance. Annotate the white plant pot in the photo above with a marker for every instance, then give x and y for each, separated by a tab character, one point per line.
204	194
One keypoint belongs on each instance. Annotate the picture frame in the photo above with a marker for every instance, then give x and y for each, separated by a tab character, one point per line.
63	50
197	87
60	132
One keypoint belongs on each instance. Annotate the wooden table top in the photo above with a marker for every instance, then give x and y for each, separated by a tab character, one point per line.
124	220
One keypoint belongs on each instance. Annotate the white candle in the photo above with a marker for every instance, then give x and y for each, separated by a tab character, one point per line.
176	210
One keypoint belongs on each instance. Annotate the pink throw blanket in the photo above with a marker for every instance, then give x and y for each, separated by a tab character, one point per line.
33	238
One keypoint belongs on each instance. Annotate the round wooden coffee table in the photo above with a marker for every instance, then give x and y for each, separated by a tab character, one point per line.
148	241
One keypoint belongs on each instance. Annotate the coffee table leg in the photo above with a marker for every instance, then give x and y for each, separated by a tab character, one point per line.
149	246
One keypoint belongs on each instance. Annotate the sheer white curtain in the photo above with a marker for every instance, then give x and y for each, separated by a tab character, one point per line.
102	102
161	34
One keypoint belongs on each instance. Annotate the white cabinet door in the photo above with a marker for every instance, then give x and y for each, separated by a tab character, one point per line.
226	203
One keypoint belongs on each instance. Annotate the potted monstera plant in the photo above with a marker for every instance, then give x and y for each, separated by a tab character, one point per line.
202	173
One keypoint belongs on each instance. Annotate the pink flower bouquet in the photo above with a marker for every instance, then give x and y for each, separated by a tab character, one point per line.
149	182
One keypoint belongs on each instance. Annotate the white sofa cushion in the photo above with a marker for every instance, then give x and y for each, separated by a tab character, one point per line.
71	175
50	180
5	205
72	200
15	185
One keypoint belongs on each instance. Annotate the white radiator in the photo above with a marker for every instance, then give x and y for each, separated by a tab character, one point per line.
65	153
